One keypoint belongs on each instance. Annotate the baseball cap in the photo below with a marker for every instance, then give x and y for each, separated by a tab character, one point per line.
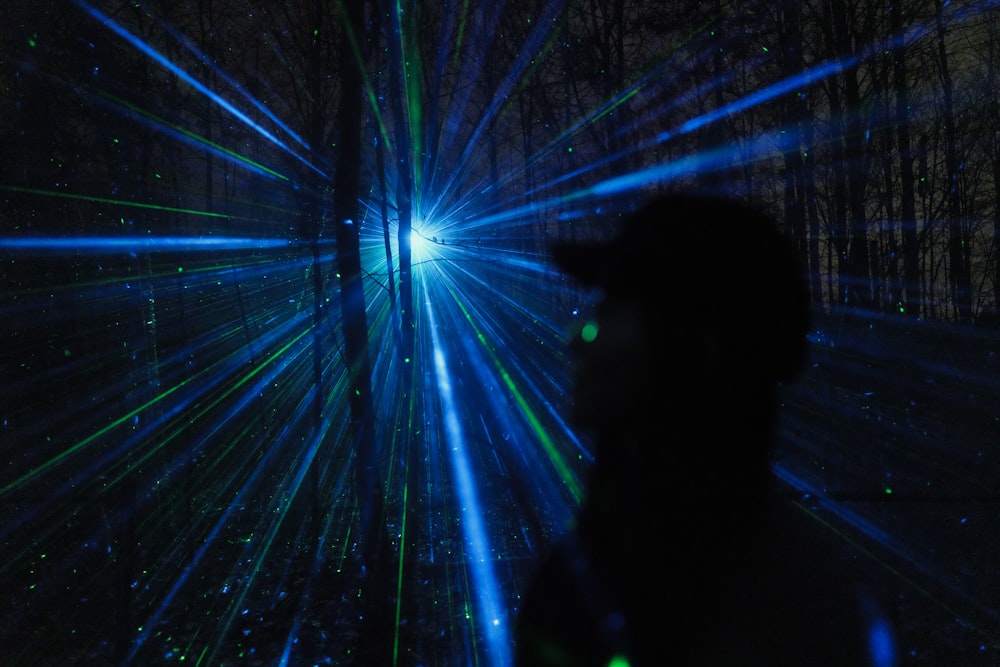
717	261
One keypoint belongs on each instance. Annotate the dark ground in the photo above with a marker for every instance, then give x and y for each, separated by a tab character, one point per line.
894	430
888	442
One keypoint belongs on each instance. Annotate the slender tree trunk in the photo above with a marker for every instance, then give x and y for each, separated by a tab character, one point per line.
404	174
375	566
384	198
795	111
910	303
890	292
313	231
838	214
995	313
346	192
994	113
812	215
859	284
959	277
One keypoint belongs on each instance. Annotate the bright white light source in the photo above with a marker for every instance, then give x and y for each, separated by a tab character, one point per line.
416	241
422	245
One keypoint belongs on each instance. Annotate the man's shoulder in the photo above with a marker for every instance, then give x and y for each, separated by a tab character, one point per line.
564	617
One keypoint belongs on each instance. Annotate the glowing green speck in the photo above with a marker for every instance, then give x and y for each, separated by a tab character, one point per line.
618	661
32	43
589	332
888	491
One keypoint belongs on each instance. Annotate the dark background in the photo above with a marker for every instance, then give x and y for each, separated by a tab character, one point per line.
248	418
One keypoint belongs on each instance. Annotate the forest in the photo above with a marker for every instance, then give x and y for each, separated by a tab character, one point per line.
285	378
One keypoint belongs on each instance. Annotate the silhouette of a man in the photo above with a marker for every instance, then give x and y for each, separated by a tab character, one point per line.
681	554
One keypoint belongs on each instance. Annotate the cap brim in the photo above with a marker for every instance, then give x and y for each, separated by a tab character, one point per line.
587	262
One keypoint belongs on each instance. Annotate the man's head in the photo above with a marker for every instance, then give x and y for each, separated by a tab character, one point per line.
699	294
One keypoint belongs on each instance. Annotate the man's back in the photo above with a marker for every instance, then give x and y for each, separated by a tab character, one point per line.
788	595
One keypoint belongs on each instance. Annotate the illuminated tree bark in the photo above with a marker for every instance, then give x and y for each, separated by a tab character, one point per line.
347	186
372	646
404	173
384	212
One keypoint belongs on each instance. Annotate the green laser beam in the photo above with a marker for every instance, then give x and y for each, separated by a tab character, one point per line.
108	200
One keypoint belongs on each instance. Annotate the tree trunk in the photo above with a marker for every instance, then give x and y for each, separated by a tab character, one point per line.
346	192
859	285
795	111
910	303
959	277
383	188
404	176
838	214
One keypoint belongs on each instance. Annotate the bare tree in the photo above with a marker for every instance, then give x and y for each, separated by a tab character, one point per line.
959	277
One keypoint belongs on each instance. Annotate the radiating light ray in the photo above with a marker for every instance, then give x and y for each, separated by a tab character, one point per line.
214	377
522	64
204	59
492	616
327	533
259	545
761	147
168	64
264	533
469	72
799	81
373	97
649	79
113	244
485	350
59	194
457	291
599	112
203	405
886	541
697	164
559	142
188	136
453	23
